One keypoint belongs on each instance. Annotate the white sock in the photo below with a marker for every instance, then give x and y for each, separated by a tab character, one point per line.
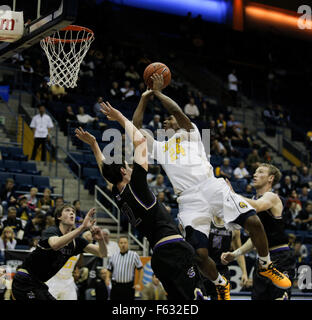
219	281
264	261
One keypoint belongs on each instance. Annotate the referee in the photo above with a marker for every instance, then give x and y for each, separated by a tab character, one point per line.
121	271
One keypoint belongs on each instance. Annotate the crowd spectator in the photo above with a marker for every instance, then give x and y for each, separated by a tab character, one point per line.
155	123
233	87
59	202
7	239
46	203
191	109
304	217
240	172
158	185
132	74
226	171
26	67
97	107
8	194
304	195
101	290
80	214
84	118
34	227
305	177
114	91
32	200
295	176
23	211
293	197
127	90
41	125
154	290
290	216
286	186
15	223
253	161
58	92
70	118
111	245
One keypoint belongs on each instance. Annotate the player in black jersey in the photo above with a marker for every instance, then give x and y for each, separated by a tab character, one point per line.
269	207
221	240
173	258
57	244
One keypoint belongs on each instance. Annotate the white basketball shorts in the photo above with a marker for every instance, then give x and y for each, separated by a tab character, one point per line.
213	196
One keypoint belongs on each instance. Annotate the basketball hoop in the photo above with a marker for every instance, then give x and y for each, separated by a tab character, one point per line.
65	50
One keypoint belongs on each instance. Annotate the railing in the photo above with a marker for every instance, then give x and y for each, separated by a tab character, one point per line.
143	245
97	202
65	164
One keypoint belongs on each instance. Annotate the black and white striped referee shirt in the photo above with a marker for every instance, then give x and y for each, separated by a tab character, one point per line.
123	265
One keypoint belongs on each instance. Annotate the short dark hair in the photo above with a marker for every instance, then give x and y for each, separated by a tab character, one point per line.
112	173
58	212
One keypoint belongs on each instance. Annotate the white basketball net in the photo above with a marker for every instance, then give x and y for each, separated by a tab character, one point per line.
65	50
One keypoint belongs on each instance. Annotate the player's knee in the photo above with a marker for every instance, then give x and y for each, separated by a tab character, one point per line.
253	224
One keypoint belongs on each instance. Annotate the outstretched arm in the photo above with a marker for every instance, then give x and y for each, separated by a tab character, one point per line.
172	107
88	138
137	138
139	111
227	257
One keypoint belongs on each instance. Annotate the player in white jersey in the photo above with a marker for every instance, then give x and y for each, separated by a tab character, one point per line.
62	285
200	193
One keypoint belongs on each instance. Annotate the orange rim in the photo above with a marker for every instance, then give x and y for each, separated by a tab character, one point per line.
72	28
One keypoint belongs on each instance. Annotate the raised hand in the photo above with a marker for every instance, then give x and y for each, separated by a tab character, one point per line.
110	112
97	233
85	136
158	81
89	220
147	93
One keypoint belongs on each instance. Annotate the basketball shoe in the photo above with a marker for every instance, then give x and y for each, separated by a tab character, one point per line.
223	291
278	278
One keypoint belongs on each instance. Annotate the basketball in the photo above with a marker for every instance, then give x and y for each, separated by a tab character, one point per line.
156	67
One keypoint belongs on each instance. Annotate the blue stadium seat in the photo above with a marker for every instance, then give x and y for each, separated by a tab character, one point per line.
30	168
23	181
41	183
17	154
13	166
216	161
4	176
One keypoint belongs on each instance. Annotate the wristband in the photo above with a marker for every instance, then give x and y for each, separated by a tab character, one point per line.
237	252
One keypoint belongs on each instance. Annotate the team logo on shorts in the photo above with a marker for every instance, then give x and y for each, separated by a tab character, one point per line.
191	272
243	205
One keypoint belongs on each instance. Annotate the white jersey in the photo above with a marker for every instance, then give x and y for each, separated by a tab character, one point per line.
67	270
184	159
62	285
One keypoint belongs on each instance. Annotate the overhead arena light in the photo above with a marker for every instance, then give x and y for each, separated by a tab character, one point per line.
218	11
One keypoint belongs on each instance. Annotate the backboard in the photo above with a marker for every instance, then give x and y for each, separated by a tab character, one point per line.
41	19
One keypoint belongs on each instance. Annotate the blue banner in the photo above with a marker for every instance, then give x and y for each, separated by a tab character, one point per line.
5	93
